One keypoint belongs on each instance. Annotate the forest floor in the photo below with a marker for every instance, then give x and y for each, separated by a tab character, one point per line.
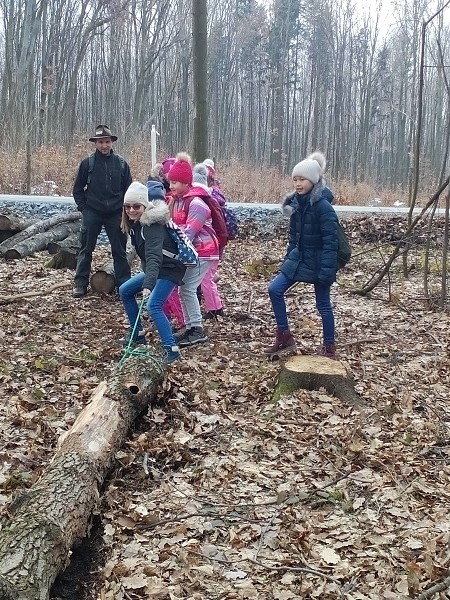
221	492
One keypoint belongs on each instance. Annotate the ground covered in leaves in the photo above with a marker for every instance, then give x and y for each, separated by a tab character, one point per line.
222	492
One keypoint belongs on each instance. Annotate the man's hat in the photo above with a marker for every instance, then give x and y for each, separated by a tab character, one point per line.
102	131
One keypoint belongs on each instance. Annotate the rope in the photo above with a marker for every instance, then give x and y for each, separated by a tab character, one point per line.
141	352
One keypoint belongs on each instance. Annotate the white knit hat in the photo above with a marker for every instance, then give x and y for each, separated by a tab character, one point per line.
311	168
136	194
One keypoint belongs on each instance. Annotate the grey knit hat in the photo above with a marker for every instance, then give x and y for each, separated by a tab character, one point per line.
311	168
200	174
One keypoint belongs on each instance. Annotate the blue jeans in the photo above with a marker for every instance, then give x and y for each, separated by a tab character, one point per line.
162	290
280	285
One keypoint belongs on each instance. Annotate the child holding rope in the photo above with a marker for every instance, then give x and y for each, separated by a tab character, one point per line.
145	214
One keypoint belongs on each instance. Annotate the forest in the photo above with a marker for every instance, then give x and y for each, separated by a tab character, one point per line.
284	78
227	476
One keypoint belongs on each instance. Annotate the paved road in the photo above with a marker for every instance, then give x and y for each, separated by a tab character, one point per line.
344	211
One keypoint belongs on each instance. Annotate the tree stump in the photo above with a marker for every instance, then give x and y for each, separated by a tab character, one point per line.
54	514
313	373
65	258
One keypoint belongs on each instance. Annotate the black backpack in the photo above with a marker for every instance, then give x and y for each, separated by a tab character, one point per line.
344	249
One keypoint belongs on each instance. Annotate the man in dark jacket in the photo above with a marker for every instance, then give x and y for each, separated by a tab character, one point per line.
98	191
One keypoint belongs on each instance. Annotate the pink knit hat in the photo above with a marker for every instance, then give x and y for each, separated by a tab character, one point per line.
167	163
181	170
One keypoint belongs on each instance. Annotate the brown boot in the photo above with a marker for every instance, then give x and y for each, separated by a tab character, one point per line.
284	344
329	351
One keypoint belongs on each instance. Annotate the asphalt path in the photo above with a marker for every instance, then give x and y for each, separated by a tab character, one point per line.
343	211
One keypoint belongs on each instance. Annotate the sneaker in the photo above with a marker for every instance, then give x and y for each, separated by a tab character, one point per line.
181	335
171	354
139	338
79	291
194	335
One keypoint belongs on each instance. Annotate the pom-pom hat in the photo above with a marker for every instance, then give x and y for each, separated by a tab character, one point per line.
311	168
200	174
181	170
136	194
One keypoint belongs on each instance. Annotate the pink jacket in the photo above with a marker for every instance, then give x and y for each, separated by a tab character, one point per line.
196	222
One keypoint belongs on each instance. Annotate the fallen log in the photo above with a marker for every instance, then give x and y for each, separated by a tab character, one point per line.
36	228
315	372
11	221
54	514
103	281
71	242
37	242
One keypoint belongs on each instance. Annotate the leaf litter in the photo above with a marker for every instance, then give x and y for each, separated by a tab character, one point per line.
221	492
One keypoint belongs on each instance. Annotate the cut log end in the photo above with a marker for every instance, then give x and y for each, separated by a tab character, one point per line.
103	283
314	373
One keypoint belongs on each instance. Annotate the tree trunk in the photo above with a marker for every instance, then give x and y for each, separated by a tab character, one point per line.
200	79
313	373
54	514
38	241
38	227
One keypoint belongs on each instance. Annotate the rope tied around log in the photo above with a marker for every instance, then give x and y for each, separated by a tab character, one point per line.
155	359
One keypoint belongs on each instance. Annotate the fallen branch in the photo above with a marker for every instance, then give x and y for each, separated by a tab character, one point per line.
398	248
34	293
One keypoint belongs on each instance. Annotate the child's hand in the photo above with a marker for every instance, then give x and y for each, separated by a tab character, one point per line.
145	292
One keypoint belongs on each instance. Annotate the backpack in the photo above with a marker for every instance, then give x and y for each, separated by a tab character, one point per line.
187	254
229	215
218	220
344	249
91	162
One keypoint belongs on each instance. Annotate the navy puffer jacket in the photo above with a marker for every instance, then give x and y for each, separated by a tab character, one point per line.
311	255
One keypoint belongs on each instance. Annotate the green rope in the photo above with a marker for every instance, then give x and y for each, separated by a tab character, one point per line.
140	352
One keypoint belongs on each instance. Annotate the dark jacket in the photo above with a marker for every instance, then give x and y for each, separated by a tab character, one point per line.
149	236
109	180
312	250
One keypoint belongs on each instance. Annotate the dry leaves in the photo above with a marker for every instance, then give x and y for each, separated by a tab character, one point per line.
243	497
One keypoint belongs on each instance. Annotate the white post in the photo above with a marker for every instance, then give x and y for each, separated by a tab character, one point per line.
153	135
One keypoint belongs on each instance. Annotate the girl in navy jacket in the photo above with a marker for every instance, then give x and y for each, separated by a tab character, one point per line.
311	255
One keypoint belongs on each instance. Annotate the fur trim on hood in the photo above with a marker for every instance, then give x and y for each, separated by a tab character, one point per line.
157	212
290	203
156	170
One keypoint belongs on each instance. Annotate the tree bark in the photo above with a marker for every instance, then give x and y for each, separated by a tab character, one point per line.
54	514
65	258
71	243
38	241
10	221
38	227
313	373
103	281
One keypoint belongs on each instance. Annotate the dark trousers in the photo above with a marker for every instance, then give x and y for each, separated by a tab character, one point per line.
91	226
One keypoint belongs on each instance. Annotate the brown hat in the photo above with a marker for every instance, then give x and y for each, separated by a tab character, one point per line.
102	131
